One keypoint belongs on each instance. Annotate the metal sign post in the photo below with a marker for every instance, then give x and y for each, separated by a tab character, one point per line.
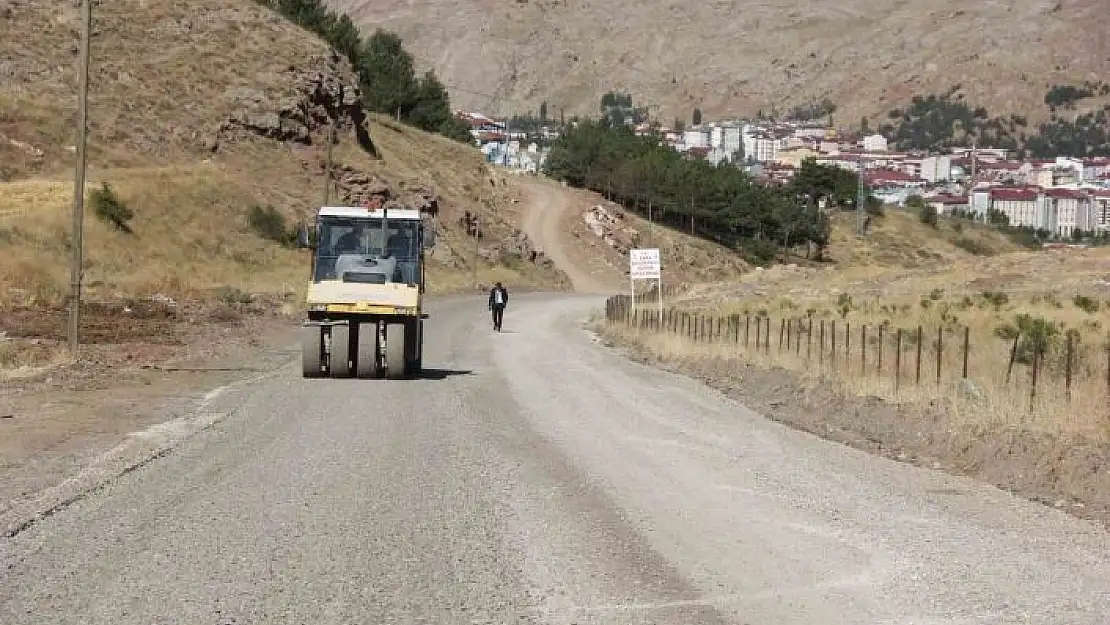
644	264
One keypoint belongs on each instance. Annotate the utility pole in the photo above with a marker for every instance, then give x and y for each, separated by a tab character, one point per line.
477	231
328	166
974	164
861	196
79	179
508	134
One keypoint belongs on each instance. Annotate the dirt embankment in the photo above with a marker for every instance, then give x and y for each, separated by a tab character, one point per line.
140	363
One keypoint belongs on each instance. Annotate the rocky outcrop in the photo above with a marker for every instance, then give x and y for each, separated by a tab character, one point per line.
519	244
322	97
362	188
610	227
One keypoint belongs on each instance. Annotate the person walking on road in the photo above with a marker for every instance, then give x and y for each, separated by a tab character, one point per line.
498	299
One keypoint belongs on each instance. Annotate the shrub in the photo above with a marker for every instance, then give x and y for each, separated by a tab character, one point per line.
973	246
997	299
1036	335
759	252
1088	305
111	209
270	225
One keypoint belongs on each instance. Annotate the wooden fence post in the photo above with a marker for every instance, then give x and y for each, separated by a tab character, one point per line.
782	332
767	337
848	345
821	345
863	349
809	340
1067	364
1033	373
882	347
832	343
967	348
1013	357
940	351
898	359
798	339
747	324
917	364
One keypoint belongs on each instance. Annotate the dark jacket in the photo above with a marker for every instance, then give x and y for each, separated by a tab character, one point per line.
504	296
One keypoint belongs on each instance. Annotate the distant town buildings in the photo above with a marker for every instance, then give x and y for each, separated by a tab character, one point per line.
1060	196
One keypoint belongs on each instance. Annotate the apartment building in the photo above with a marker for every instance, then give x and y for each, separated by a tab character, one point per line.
1021	205
1100	210
936	168
1065	210
731	140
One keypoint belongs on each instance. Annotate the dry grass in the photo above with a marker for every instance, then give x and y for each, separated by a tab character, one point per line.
899	239
164	75
23	360
983	298
190	236
731	58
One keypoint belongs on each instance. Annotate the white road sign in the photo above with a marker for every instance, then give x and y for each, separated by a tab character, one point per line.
644	264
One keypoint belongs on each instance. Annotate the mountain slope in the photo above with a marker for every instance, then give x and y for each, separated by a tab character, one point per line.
199	110
742	56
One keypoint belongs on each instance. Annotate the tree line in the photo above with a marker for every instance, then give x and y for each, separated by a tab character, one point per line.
719	203
387	72
942	122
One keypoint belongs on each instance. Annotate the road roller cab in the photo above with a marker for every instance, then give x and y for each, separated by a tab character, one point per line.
365	313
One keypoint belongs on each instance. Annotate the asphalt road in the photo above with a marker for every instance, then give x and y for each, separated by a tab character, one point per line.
538	477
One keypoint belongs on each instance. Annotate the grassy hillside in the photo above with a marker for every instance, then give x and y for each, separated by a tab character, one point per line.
900	239
200	110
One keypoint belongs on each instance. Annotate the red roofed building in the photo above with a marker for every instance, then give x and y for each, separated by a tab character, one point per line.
946	204
1095	168
891	178
1002	171
1066	210
1019	204
1100	209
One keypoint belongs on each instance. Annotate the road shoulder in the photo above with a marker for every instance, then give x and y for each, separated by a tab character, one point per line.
68	420
1067	475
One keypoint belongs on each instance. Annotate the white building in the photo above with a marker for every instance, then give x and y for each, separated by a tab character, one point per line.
980	202
761	146
716	156
731	141
1022	206
1100	210
936	168
695	139
874	143
716	137
1066	210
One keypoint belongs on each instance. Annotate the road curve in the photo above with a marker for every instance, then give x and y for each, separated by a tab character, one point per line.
535	476
545	223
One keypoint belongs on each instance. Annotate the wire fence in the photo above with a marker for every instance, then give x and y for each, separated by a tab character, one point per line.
1034	372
